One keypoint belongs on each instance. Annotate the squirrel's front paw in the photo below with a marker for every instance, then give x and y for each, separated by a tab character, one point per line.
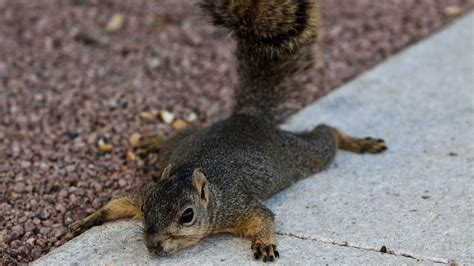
267	252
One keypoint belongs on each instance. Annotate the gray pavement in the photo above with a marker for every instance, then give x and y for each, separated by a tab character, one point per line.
416	199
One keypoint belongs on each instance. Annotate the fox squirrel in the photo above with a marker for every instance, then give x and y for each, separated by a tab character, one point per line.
215	178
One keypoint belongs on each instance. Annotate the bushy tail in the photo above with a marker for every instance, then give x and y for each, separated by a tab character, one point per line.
273	46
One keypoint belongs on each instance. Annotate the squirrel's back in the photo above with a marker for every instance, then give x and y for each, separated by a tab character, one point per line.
273	45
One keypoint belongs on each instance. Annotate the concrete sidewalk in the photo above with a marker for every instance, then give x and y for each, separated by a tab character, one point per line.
416	199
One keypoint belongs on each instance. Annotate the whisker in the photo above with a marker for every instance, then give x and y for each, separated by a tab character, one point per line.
140	228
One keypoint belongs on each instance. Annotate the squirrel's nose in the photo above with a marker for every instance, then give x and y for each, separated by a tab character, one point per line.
154	248
154	244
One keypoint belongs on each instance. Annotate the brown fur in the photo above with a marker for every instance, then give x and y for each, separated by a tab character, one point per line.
358	145
273	47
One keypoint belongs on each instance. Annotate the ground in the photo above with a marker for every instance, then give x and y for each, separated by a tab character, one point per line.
69	77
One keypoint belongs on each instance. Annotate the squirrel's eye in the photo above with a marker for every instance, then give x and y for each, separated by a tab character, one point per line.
187	216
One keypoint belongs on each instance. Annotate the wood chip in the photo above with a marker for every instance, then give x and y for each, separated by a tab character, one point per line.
115	22
167	117
135	139
179	124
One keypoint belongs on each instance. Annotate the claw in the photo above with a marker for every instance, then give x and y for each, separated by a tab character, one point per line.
149	144
266	252
277	254
257	254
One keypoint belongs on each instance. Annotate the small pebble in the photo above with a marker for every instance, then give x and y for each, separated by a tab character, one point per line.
167	117
15	244
131	156
36	252
135	139
45	214
452	11
45	230
191	117
40	242
29	226
115	22
122	183
60	208
19	229
20	187
96	203
179	124
57	232
25	164
148	115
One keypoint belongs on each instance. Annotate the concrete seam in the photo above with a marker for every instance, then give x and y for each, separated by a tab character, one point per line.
368	248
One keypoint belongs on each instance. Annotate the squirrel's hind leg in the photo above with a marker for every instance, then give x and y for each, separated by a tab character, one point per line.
165	147
345	142
314	150
161	144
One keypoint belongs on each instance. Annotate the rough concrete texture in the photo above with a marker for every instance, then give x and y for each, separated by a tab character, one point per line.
121	243
416	199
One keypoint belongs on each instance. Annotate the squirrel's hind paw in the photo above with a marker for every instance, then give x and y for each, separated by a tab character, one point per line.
265	252
372	145
148	144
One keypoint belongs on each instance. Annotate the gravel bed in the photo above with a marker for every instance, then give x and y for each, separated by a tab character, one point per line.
76	73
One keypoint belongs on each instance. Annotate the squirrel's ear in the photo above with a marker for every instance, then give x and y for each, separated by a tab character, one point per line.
200	183
166	173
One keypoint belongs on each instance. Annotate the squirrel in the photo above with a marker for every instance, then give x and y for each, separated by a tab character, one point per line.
214	179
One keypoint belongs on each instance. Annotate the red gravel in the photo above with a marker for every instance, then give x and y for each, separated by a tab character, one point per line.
66	82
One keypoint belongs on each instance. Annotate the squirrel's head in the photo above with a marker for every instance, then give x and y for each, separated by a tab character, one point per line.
176	212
